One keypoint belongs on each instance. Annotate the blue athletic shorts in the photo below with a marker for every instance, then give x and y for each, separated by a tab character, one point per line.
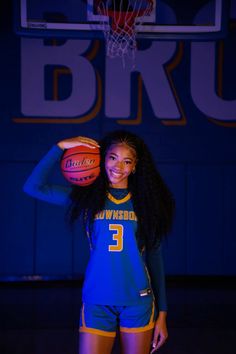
104	320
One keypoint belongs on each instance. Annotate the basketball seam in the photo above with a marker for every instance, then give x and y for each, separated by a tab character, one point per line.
79	153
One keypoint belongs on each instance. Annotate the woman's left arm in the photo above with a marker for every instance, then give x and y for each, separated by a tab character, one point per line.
155	267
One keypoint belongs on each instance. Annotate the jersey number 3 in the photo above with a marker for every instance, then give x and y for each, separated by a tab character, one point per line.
116	236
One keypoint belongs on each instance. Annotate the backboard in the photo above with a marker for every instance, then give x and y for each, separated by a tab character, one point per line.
170	19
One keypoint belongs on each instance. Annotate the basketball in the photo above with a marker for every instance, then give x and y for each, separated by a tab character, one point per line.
80	165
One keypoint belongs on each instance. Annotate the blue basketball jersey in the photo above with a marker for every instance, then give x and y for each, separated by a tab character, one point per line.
116	273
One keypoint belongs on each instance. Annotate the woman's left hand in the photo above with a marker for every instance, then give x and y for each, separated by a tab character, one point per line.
160	332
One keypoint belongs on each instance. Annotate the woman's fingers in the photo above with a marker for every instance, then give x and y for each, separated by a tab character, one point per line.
88	141
160	334
157	343
78	141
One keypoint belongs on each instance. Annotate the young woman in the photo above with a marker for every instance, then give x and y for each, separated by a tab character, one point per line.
126	213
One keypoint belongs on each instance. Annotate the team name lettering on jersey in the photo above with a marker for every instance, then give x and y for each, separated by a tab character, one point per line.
109	214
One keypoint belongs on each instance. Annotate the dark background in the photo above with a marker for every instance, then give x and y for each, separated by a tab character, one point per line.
196	158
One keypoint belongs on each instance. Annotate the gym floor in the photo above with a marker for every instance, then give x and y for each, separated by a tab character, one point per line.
42	317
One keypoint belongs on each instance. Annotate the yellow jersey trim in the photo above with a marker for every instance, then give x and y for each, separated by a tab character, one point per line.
97	331
119	201
138	329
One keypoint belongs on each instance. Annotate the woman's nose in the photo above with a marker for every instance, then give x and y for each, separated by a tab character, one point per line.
119	164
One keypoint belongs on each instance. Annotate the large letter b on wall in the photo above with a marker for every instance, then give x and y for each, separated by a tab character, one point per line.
34	57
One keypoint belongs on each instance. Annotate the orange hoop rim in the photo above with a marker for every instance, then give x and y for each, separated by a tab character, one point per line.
123	20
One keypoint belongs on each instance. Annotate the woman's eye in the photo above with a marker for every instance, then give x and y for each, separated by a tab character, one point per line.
112	157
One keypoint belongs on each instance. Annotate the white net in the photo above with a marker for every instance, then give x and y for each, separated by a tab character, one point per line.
120	32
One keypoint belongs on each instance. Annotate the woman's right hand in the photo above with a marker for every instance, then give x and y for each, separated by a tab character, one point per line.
77	141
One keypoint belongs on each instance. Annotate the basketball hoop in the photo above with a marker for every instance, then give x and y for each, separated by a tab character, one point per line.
119	30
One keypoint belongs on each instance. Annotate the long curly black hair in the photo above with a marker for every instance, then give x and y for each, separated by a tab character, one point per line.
153	202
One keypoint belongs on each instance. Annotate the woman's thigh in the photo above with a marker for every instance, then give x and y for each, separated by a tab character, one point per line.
136	343
90	343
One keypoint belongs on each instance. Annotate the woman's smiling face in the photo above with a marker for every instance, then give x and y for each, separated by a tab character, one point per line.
120	161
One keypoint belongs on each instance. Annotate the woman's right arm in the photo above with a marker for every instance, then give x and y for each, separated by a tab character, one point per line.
37	184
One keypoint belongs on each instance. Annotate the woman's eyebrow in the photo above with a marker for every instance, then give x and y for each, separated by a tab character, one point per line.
125	158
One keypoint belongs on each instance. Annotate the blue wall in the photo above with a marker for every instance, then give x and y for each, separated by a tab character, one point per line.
180	97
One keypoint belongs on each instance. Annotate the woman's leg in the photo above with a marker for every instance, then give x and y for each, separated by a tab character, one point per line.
90	343
136	343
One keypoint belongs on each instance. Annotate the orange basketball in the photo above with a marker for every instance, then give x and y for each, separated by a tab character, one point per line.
81	165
